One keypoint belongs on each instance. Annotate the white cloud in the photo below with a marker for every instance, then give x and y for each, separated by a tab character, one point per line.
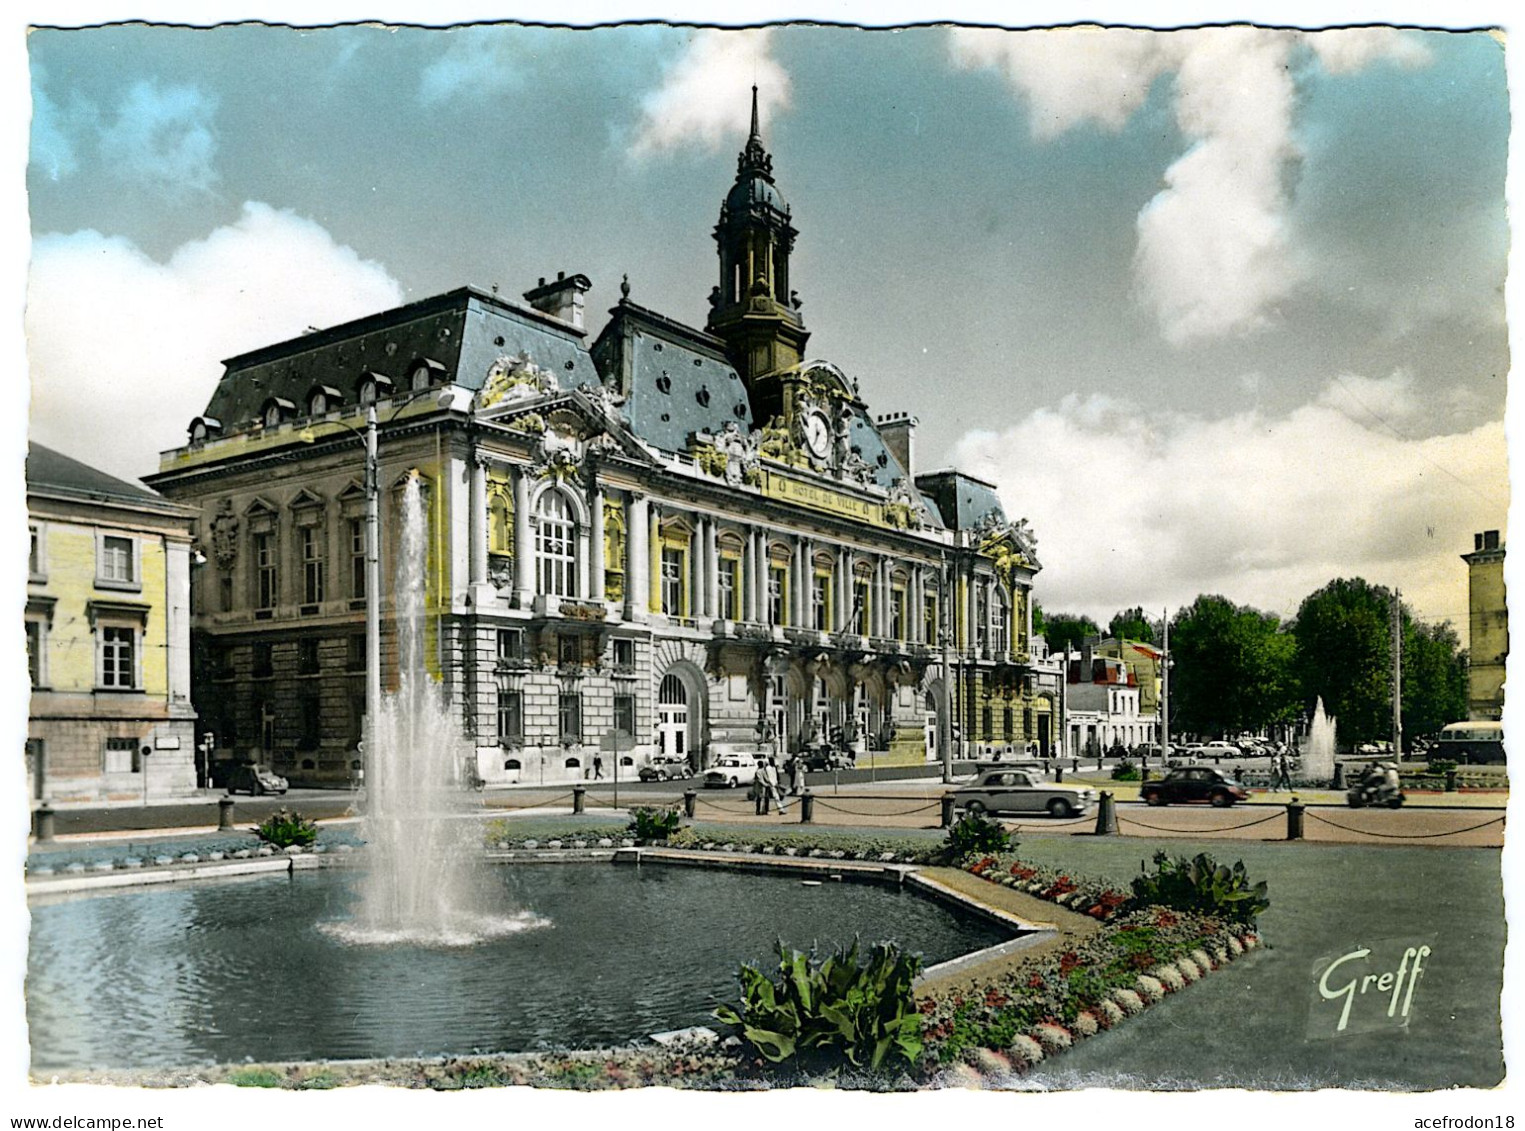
162	136
1134	507
705	99
124	350
54	146
1216	252
476	62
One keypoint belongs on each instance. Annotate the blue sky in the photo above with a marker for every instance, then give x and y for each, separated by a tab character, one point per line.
1219	311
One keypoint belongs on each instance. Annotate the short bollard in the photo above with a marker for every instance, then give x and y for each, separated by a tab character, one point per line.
1045	766
689	798
1106	814
42	822
1450	781
1075	765
1295	819
947	810
1058	771
224	813
807	807
579	798
1338	782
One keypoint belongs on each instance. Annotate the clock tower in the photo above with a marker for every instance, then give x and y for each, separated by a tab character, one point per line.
753	310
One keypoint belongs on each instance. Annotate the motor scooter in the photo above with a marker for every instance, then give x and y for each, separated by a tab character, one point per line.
1374	787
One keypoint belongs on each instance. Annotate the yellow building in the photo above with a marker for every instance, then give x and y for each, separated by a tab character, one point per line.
1487	627
108	637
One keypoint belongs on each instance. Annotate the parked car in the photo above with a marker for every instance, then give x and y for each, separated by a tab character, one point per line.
825	758
665	768
1194	784
255	780
1003	790
729	771
1219	750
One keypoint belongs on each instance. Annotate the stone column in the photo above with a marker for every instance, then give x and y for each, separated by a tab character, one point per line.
524	541
638	557
477	534
654	560
711	571
595	588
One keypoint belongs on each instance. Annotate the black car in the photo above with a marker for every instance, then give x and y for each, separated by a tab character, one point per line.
255	780
1194	784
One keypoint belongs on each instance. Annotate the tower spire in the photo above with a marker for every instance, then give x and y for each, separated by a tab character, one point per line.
756	134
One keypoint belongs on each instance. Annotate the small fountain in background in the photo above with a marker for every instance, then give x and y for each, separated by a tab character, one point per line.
1318	748
424	880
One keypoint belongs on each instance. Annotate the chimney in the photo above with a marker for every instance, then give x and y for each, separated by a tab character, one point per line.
898	430
1490	539
562	299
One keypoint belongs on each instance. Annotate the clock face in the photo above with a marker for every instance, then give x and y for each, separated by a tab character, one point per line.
817	434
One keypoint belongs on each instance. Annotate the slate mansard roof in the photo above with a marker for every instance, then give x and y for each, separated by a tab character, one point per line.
963	500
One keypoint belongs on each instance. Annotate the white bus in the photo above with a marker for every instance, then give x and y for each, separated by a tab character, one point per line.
1477	741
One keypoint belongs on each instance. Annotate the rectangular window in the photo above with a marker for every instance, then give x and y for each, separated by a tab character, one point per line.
987	723
357	558
860	607
312	565
225	591
311	722
568	650
730	589
36	565
569	718
776	589
624	714
264	571
354	654
820	601
510	718
1006	724
674	602
307	655
122	756
624	654
998	634
264	660
929	619
36	637
115	561
510	644
897	614
118	657
556	548
981	621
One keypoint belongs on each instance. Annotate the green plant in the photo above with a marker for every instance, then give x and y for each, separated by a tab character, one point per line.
1202	884
818	1013
1440	766
648	823
254	1078
974	833
285	828
1125	771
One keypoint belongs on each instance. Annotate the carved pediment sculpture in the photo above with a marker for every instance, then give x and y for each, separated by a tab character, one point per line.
731	454
515	378
225	535
558	454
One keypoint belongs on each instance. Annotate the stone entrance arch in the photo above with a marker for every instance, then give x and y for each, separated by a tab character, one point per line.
681	714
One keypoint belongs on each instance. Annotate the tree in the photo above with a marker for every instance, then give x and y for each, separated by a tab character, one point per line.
1434	678
1232	669
1345	656
1063	631
1132	624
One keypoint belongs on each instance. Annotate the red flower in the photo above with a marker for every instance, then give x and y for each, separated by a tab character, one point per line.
1023	872
994	998
927	1006
1166	918
1035	982
1068	963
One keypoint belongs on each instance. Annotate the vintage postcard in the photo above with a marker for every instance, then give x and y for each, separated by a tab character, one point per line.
939	559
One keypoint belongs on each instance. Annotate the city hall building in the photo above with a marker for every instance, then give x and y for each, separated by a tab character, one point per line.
700	538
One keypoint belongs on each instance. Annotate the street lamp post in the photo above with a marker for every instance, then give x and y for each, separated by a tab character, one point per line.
372	597
945	716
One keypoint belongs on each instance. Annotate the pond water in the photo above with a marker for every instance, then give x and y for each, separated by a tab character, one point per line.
253	968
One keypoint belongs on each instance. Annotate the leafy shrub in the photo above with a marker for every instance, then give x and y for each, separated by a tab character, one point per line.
1125	771
1202	884
817	1014
285	828
853	846
1440	765
648	823
254	1078
975	833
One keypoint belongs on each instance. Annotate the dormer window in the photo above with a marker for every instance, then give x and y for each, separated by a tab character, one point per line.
204	428
373	387
425	372
323	399
276	410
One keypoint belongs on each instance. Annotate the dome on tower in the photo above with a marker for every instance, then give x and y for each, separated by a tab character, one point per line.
751	189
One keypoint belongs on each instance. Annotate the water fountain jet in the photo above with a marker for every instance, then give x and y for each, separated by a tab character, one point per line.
1318	748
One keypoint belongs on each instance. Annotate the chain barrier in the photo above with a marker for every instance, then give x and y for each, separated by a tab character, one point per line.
1279	814
725	808
1018	827
861	813
530	805
1404	836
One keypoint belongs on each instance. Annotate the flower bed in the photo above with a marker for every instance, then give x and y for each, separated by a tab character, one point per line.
1042	1005
1097	898
831	846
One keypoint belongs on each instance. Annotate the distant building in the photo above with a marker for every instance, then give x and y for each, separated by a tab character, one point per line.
1487	627
1103	703
697	537
1145	661
108	636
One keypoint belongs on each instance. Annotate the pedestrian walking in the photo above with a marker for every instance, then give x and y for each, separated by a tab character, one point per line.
772	789
1283	776
598	767
797	775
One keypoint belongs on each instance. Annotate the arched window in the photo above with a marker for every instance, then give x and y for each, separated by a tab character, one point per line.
511	764
556	546
1000	636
